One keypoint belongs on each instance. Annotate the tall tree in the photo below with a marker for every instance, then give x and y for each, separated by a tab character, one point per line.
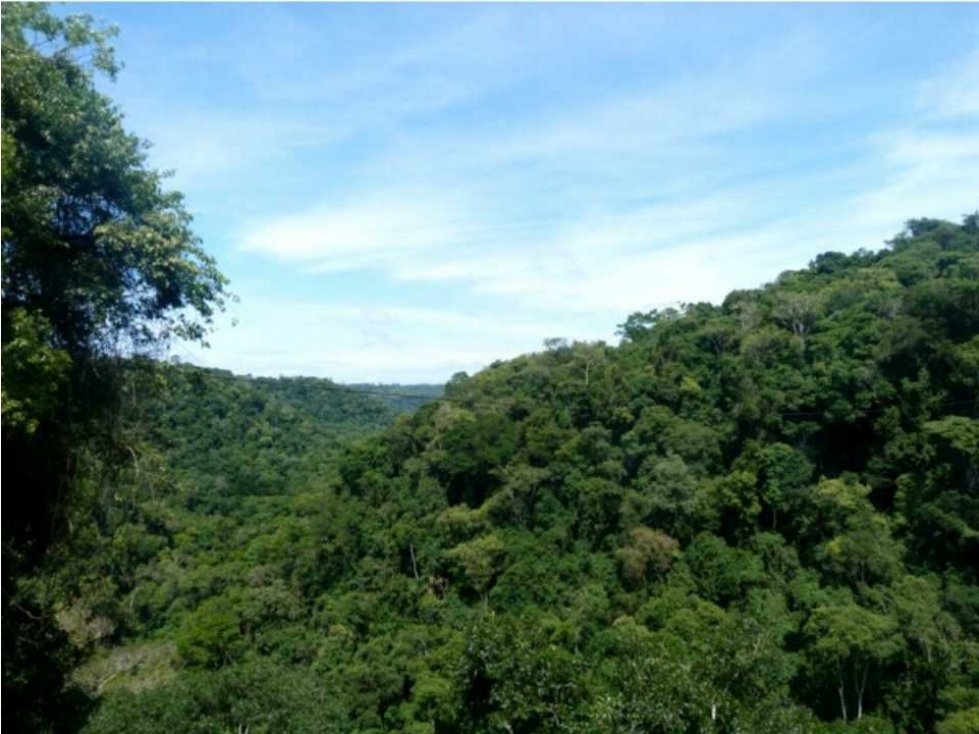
99	261
850	644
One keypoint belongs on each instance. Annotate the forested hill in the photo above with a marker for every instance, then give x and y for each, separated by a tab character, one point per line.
255	435
758	516
402	398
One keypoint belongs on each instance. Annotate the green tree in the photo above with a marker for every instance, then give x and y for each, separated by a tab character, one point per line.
850	644
479	560
930	650
98	260
961	722
648	553
209	635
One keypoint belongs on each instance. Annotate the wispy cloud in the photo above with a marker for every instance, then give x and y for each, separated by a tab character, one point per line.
353	342
363	233
922	173
489	177
202	146
954	93
607	241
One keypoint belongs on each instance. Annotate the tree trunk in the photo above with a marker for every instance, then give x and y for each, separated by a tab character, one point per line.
842	691
860	689
414	562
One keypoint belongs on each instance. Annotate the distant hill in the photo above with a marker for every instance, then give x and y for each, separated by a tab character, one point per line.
402	398
252	434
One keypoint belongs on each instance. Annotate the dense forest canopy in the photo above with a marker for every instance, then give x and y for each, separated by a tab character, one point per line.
757	516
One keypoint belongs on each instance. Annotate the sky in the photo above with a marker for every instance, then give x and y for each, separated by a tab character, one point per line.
402	192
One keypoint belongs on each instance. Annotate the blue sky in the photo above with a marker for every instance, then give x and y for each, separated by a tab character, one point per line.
402	192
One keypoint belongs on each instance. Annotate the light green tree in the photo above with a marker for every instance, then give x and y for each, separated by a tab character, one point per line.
849	644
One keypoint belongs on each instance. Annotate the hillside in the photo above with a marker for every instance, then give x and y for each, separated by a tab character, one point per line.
252	434
216	462
759	516
402	398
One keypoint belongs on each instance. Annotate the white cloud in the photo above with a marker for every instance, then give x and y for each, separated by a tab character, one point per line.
583	213
469	206
357	234
923	174
199	145
686	249
353	343
702	236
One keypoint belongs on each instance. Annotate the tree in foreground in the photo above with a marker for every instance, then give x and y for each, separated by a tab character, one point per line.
99	261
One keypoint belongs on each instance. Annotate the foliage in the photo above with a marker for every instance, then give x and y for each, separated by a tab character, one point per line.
724	524
757	516
98	260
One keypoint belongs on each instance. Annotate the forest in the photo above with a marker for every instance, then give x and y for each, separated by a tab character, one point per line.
755	516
